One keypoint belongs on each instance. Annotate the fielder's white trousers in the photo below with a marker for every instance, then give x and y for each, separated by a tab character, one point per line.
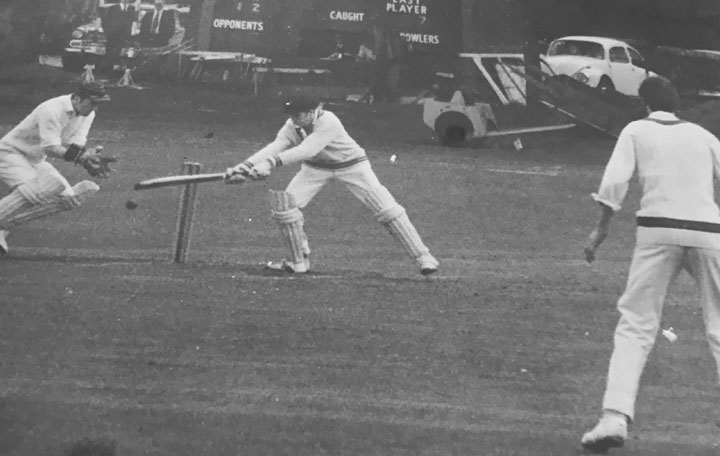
309	181
652	270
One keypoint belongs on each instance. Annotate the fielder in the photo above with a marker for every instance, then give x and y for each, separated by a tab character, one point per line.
678	228
57	127
317	139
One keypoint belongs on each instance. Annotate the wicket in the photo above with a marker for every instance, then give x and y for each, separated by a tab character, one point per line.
186	210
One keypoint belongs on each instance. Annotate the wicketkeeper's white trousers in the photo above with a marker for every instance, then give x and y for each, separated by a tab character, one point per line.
652	270
16	169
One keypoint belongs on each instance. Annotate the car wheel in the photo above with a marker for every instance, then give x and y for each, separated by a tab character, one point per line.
605	85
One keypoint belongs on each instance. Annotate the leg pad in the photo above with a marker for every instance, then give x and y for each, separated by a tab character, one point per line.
43	189
393	216
290	220
66	200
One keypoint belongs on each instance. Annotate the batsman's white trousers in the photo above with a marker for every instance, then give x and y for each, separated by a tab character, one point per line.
15	169
653	269
358	178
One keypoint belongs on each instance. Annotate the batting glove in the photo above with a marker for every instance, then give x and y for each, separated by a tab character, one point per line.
262	169
238	174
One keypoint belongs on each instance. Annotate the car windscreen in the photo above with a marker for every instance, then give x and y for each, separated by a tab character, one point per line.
577	47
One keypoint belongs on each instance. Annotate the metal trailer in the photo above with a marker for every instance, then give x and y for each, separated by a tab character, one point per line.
457	122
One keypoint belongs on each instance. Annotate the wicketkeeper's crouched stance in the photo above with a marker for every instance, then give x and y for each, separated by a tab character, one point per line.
57	127
318	139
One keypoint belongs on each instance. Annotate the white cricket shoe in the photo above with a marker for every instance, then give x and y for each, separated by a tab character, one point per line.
610	432
3	242
287	266
428	264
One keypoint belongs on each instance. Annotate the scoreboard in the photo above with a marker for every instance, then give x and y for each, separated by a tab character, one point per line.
272	27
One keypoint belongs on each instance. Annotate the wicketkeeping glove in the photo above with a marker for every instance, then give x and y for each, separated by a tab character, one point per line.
95	164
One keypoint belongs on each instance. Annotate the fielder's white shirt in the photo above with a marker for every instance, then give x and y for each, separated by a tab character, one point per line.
328	144
52	123
676	164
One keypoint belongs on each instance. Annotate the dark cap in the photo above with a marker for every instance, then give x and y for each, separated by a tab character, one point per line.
92	90
659	94
299	104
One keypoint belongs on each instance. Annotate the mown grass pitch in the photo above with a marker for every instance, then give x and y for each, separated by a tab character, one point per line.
504	353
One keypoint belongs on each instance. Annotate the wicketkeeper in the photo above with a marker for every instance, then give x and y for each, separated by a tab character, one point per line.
678	227
56	128
317	139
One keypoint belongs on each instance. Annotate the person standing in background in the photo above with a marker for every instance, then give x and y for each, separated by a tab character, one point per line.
117	24
389	50
157	26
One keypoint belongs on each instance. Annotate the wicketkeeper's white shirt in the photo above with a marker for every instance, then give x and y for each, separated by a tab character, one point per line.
52	123
676	163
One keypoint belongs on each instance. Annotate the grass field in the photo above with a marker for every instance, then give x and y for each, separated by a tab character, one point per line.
107	346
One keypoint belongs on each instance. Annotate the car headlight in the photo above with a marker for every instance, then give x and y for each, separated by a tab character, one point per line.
581	77
77	34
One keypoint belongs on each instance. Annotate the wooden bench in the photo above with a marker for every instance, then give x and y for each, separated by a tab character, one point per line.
245	61
260	72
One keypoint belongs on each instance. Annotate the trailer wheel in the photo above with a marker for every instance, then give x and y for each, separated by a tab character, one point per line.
485	140
453	128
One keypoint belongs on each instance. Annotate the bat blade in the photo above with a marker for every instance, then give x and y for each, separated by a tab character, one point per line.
181	179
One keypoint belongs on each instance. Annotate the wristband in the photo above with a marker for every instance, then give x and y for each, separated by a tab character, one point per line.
73	152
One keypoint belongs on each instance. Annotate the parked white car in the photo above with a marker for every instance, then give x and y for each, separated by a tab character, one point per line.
86	46
604	63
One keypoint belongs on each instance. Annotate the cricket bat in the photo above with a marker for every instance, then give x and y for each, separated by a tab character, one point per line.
181	179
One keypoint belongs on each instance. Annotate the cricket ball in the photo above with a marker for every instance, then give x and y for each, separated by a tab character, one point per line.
130	205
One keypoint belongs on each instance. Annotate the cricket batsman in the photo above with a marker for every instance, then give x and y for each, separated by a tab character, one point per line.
678	227
317	139
56	128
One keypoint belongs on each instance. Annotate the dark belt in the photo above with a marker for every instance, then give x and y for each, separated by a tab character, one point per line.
662	222
342	165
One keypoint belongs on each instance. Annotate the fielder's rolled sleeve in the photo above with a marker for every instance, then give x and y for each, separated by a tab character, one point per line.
618	172
715	148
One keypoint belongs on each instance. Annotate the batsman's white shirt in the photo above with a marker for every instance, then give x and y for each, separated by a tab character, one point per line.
52	123
327	146
676	163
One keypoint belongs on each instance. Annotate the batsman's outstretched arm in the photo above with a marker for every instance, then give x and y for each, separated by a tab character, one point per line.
598	235
239	173
281	143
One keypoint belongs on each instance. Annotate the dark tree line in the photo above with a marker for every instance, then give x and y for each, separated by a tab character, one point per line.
685	24
31	27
